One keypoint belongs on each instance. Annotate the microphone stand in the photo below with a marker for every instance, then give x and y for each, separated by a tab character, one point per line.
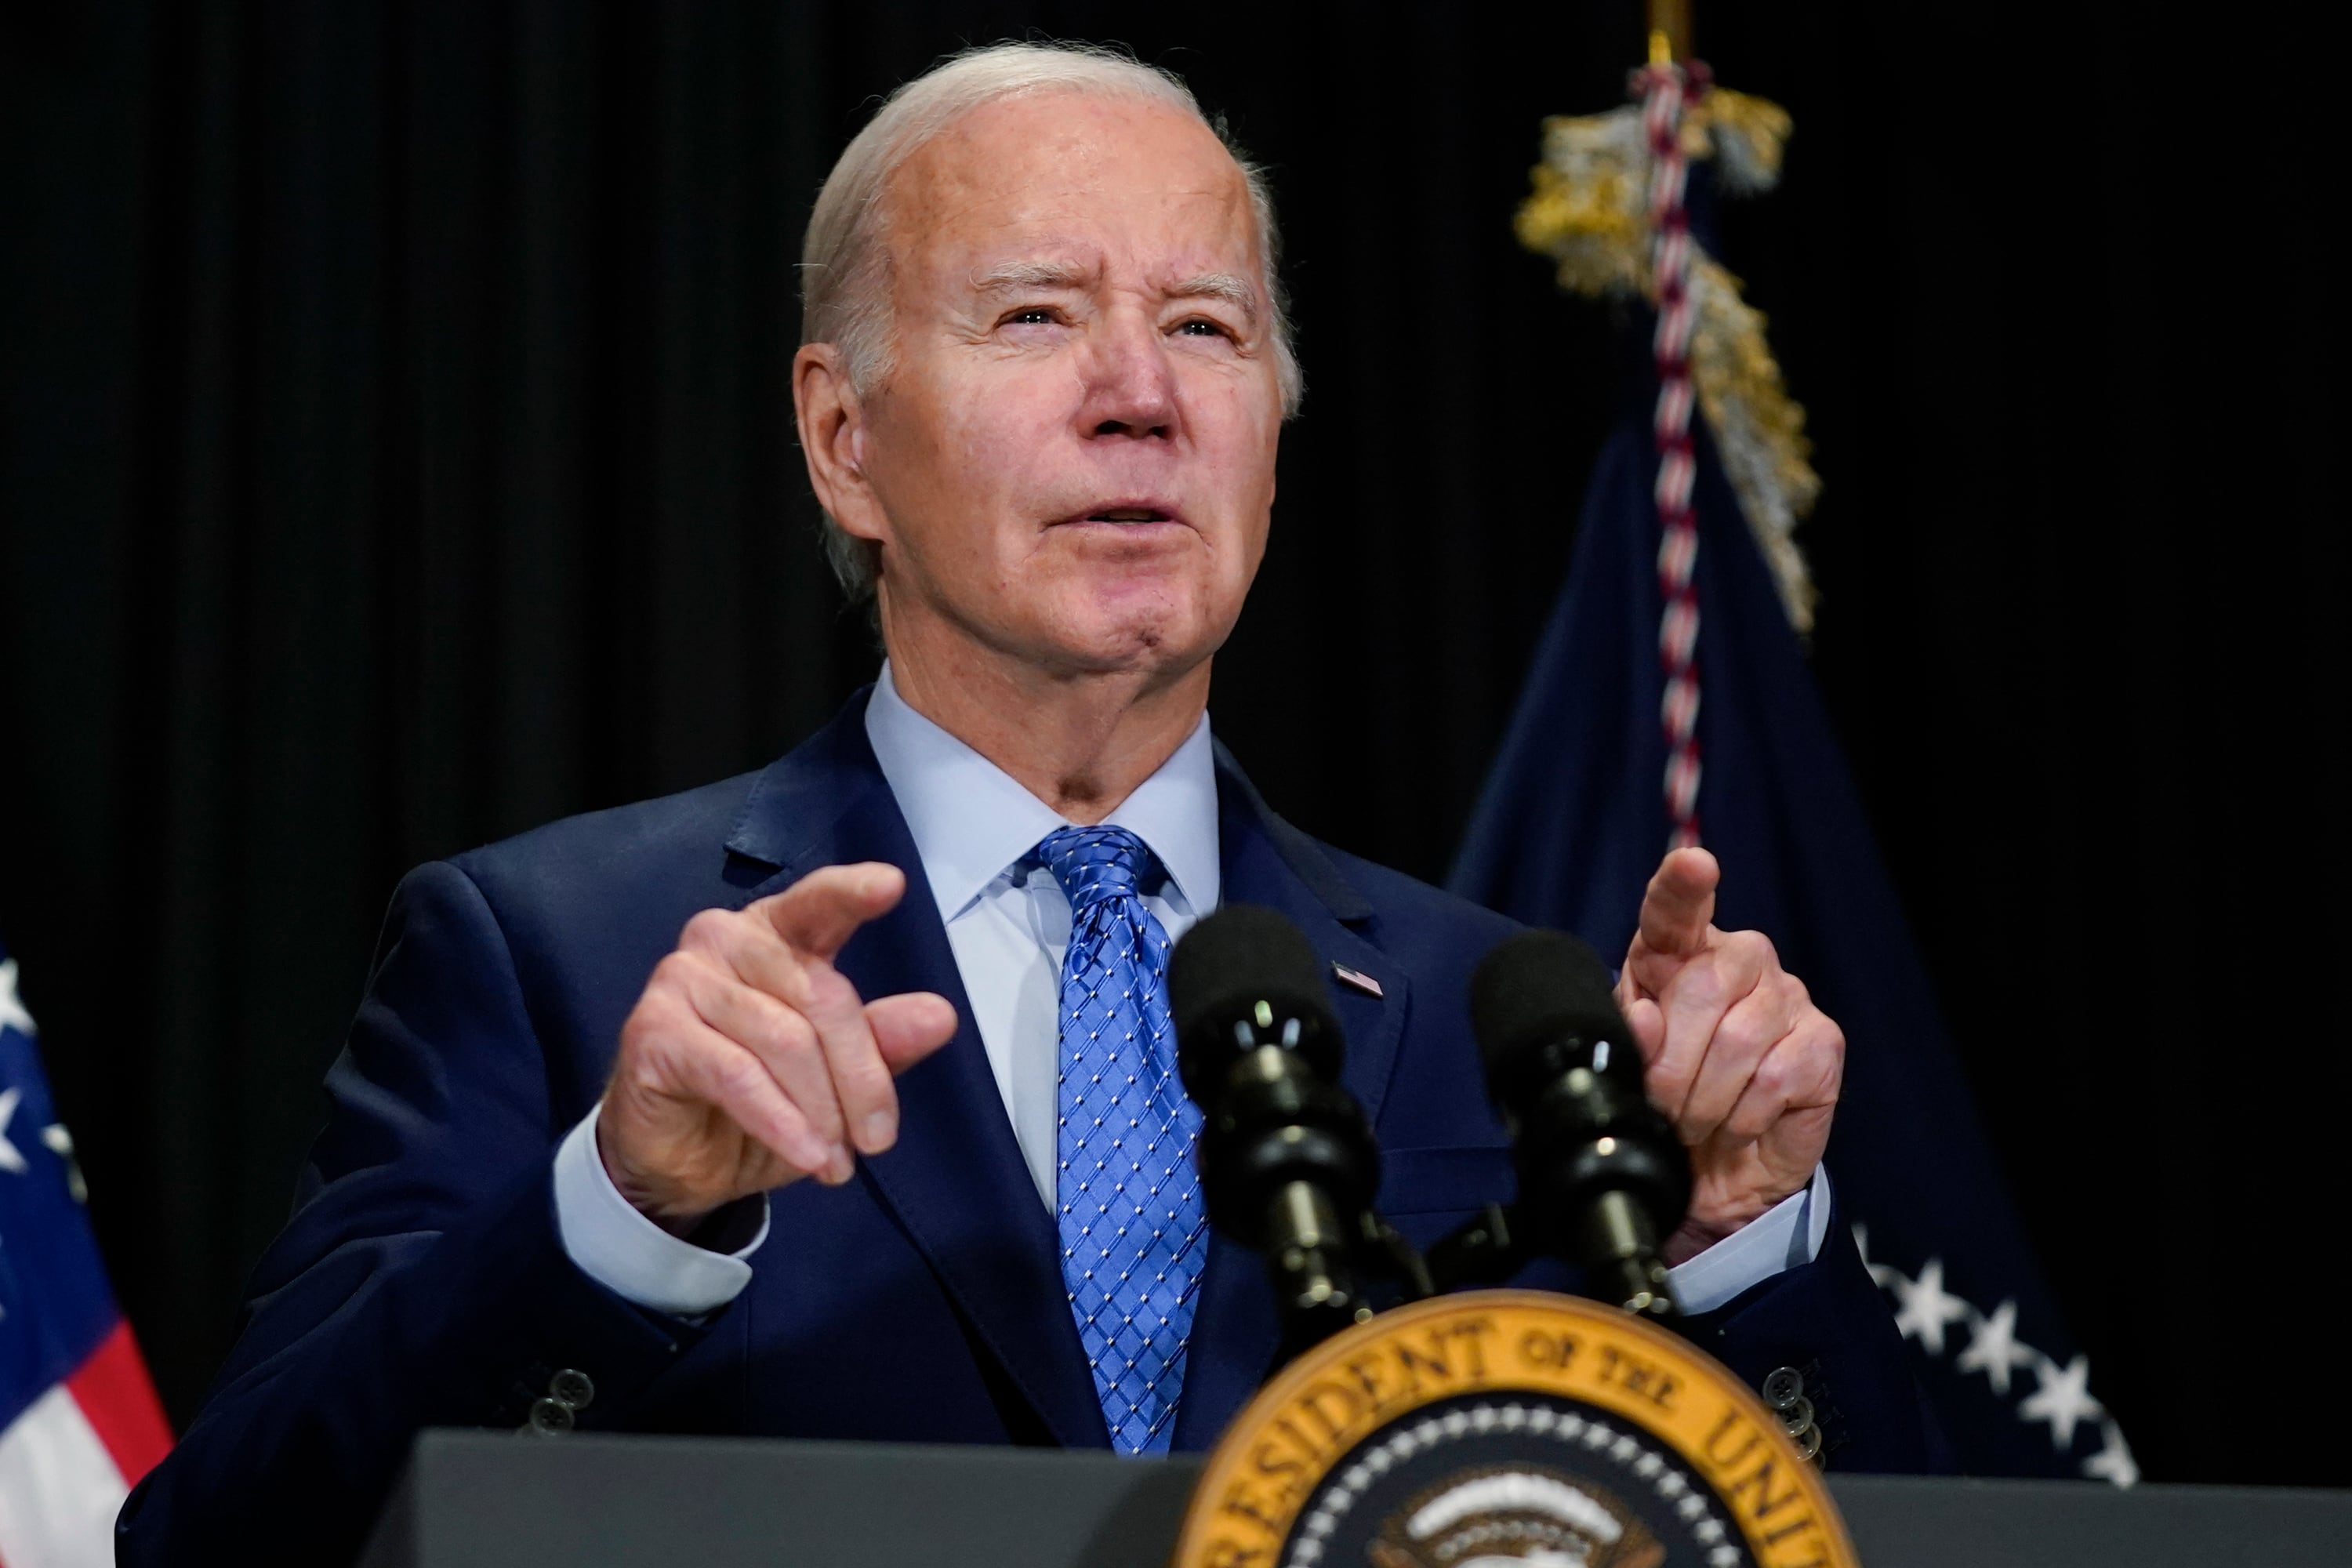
1609	1229
1621	1245
1327	1250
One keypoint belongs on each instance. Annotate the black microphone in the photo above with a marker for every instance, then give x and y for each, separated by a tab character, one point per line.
1288	1166
1602	1176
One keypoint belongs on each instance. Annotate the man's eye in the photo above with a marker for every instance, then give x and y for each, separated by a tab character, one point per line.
1032	316
1200	328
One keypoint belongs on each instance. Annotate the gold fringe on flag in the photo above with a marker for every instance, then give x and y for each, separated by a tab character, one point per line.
1588	211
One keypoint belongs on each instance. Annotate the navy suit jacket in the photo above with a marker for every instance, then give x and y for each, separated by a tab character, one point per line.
422	1280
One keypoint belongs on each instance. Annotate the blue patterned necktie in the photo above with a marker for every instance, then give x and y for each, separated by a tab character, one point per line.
1129	1201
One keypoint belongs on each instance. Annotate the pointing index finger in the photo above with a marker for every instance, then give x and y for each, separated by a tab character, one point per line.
1680	903
822	910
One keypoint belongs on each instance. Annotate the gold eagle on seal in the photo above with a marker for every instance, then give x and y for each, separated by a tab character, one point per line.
1514	1515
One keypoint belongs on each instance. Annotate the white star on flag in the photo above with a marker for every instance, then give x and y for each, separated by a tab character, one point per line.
2063	1397
2113	1461
1993	1348
60	1143
1880	1274
1927	1307
2062	1400
12	1010
11	1160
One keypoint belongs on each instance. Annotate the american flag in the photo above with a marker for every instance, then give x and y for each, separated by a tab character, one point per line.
79	1422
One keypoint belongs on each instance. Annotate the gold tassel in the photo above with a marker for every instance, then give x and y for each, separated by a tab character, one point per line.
1587	210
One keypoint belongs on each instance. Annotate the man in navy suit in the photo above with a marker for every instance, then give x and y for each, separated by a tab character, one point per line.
809	1103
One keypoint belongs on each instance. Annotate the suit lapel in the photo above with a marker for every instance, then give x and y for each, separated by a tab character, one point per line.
955	1179
1266	861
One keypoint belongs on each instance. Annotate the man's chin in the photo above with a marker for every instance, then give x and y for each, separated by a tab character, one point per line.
1146	640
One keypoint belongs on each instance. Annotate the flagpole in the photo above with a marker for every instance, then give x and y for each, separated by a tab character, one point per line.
1670	25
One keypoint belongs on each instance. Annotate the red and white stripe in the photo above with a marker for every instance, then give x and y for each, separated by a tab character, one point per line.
1670	260
68	1462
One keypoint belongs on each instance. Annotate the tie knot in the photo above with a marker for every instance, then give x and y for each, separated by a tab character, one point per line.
1096	863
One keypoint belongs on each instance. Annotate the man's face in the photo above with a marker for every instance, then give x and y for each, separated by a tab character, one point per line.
1073	455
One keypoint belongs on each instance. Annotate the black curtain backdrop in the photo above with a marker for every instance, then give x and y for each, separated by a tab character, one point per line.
395	452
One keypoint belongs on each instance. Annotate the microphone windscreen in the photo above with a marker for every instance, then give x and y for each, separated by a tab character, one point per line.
1535	988
1237	957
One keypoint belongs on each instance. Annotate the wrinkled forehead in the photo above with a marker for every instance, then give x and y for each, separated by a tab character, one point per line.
1138	188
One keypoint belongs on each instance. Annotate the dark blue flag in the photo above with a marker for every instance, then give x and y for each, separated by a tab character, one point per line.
1570	827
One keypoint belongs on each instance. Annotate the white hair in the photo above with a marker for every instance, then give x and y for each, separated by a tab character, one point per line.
844	265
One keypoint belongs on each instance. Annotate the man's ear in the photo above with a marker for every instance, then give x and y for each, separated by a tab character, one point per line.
832	421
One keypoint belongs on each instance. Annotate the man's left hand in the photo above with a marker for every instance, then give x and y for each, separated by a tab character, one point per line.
1738	1055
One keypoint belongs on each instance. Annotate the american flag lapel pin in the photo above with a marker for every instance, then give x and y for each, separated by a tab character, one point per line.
1356	979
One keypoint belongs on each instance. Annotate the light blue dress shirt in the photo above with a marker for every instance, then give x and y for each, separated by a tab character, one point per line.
1008	923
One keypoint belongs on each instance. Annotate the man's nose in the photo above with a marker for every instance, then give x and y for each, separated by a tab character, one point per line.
1131	385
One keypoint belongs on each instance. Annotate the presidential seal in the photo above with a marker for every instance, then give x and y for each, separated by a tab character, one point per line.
1509	1427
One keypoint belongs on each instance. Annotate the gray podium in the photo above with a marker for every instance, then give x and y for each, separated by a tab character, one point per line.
473	1500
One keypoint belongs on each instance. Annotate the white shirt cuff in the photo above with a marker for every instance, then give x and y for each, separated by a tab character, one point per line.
628	1254
1787	1235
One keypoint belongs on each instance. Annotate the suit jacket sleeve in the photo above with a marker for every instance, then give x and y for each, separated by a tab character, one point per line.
422	1279
1828	1319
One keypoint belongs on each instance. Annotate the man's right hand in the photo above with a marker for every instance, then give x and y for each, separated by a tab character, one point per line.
751	1061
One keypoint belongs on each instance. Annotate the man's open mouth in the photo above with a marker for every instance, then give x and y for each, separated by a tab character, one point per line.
1129	513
